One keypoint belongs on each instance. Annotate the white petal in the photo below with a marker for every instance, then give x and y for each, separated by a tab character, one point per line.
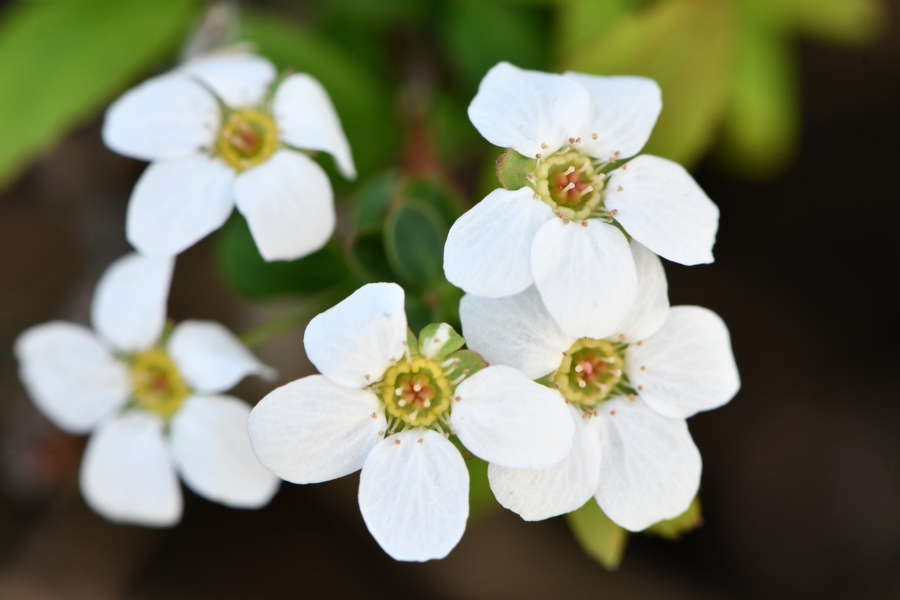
313	430
356	341
212	451
165	117
178	202
536	494
414	495
488	249
503	417
662	207
586	276
211	358
621	113
651	306
687	366
528	111
240	80
307	119
129	305
70	375
127	475
649	466
289	205
516	331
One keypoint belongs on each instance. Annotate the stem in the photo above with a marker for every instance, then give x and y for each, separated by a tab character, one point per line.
288	322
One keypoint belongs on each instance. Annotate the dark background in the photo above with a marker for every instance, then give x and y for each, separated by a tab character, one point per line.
801	486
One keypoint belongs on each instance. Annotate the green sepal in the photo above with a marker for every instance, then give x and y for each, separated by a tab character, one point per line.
411	342
686	522
603	540
547	381
468	364
439	340
513	169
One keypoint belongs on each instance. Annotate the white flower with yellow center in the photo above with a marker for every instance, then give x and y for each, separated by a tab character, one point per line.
151	401
387	403
218	135
560	225
629	396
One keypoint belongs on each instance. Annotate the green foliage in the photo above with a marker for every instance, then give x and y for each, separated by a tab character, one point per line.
61	61
673	529
601	539
837	21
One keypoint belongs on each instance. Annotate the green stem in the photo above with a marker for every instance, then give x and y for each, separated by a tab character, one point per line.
288	322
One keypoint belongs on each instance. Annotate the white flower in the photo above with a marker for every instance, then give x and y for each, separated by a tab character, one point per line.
384	406
629	396
153	407
559	231
218	137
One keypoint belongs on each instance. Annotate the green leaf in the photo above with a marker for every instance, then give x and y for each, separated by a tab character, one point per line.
438	340
482	502
688	47
62	61
371	201
673	529
435	192
603	540
840	21
579	21
367	249
414	236
513	169
250	275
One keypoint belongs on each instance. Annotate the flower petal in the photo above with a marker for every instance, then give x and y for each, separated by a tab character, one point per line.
313	430
649	466
211	358
537	494
503	417
516	331
129	305
178	202
126	473
70	375
621	114
165	117
488	249
356	341
289	205
662	207
586	276
651	306
414	495
212	451
528	111
687	366
307	119
240	80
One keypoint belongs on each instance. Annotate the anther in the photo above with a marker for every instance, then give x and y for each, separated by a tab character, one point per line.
609	220
565	221
565	352
578	140
374	416
641	343
620	189
396	442
632	397
615	211
381	433
458	398
596	413
559	214
640	388
421	441
367	378
544	146
446	436
538	155
536	196
569	171
612	413
617	154
584	223
571	141
643	367
593	136
622	338
625	167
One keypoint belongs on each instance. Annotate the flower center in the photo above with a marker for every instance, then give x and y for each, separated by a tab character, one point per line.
590	372
570	184
156	384
416	392
247	138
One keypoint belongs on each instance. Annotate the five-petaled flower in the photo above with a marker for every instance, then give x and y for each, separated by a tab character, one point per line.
561	230
219	135
386	403
628	394
150	398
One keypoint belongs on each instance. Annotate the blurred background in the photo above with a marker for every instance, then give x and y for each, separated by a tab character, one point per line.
785	110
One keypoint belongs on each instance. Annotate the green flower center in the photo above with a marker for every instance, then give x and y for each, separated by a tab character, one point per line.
156	383
590	372
416	392
570	184
247	138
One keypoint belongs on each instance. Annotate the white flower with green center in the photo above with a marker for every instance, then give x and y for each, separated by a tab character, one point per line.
151	400
387	403
570	193
220	134
628	394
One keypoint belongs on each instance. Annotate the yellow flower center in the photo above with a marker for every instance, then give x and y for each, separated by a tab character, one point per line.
156	384
247	138
570	184
416	392
590	371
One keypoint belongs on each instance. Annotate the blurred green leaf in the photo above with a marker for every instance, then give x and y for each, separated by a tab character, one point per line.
580	21
371	201
482	502
250	275
603	540
842	21
362	101
761	129
688	47
385	13
61	61
367	249
414	237
436	193
673	529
